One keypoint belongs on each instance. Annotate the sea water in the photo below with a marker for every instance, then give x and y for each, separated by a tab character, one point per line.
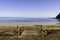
28	20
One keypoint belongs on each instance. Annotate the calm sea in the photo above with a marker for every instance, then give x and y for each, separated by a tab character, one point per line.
27	20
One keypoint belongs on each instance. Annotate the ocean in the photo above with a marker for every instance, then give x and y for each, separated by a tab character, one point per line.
27	20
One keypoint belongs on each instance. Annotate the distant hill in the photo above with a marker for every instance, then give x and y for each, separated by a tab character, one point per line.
58	16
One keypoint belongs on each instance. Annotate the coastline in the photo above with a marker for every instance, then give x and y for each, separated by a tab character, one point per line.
32	23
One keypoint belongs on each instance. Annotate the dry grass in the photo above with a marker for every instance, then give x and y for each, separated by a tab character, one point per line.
20	38
26	29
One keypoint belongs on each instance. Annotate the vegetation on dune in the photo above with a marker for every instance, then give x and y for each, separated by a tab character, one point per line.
16	33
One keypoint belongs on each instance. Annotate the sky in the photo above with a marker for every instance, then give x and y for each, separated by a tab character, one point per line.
29	8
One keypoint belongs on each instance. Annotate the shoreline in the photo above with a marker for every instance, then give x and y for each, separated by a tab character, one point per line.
29	22
6	24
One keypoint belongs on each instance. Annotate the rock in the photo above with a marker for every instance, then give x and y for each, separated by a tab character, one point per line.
58	16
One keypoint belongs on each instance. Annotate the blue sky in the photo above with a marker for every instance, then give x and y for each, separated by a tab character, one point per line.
29	8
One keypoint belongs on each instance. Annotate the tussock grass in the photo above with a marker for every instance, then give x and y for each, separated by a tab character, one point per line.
28	31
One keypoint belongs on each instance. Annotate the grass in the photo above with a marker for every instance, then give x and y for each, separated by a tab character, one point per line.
12	29
58	37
